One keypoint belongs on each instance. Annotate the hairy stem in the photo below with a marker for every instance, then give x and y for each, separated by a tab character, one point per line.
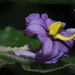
12	49
20	59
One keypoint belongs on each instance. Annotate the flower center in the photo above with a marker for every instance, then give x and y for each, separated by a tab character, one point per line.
55	29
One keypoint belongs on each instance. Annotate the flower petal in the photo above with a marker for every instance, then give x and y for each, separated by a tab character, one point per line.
54	53
48	62
34	19
63	48
66	55
51	61
44	16
71	30
47	47
70	42
60	54
36	29
64	24
38	22
54	50
49	22
25	53
31	17
48	52
54	61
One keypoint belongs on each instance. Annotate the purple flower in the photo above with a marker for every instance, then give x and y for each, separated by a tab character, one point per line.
52	49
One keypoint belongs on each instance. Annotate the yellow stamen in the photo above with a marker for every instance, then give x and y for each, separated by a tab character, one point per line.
64	38
55	29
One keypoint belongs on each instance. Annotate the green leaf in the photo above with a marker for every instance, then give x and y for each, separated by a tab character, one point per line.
69	60
12	37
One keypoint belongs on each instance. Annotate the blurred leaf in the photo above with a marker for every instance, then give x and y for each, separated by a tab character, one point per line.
14	38
69	60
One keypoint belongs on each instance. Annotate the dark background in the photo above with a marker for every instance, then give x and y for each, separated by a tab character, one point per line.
14	13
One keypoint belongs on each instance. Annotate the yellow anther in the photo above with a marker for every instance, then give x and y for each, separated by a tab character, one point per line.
64	38
55	28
